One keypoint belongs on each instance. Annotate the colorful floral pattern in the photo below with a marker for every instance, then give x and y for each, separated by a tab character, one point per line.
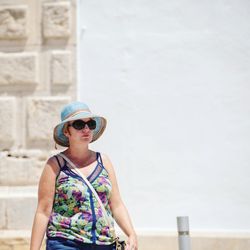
76	213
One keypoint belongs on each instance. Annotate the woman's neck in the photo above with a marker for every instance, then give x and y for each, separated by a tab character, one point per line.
78	153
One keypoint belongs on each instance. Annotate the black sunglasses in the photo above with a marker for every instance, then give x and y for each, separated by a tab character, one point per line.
80	124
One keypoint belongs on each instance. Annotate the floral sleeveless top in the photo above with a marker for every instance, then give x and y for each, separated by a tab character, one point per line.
76	213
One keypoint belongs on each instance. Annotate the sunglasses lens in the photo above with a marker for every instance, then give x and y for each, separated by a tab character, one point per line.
79	124
91	124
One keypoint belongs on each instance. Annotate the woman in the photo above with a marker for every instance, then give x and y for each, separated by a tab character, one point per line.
67	210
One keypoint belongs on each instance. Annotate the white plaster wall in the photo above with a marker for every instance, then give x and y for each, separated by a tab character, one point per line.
173	79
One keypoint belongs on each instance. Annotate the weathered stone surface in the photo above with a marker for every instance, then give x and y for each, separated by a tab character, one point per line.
8	121
21	28
19	171
27	153
16	244
16	240
19	204
18	68
56	20
43	115
5	245
3	221
22	212
13	21
61	67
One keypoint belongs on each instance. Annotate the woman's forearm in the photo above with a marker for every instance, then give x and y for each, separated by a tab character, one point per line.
38	230
122	218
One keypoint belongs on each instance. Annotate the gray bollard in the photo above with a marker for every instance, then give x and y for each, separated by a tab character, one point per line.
183	233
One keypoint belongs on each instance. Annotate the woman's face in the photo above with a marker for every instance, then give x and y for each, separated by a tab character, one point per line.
80	131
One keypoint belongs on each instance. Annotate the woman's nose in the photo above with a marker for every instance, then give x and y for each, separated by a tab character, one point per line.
86	127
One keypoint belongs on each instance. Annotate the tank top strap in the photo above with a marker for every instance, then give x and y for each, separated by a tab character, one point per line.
58	162
99	158
61	161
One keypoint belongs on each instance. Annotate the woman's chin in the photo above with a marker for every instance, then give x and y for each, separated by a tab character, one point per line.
86	138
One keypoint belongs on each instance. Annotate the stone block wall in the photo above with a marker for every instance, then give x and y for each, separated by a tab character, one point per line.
37	77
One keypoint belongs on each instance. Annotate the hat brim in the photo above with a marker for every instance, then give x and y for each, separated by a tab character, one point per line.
62	140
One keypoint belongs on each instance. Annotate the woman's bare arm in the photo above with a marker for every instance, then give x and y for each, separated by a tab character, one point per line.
118	208
46	193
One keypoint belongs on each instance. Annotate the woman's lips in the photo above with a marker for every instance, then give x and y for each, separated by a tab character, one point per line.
86	135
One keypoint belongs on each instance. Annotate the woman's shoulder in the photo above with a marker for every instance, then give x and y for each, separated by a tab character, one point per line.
56	159
106	161
104	157
53	162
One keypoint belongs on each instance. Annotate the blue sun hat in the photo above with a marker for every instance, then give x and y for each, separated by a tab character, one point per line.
74	111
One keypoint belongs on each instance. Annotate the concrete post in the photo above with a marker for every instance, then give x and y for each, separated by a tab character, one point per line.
183	233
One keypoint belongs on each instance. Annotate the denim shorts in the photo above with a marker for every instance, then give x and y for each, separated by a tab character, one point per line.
57	243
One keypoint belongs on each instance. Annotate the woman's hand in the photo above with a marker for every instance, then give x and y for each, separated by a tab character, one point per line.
131	243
